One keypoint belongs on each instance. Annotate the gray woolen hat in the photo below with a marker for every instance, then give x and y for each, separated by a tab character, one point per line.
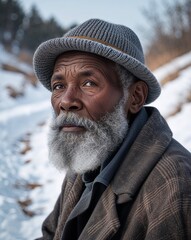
115	42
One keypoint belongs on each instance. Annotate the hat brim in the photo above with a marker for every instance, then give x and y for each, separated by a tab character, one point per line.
47	52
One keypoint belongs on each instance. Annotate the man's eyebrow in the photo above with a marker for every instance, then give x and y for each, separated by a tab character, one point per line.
57	76
82	73
85	73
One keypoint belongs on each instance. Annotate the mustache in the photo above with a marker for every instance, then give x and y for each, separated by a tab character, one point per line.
72	119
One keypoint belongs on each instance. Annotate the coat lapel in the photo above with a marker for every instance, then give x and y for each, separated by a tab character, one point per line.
72	192
144	154
104	222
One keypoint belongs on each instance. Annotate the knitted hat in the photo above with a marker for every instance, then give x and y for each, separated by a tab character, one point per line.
115	42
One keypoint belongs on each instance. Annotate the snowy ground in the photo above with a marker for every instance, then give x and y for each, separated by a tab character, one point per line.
29	185
25	174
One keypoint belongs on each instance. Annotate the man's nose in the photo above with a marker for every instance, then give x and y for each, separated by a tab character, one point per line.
70	101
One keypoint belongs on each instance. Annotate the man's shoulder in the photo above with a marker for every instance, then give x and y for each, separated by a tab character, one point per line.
173	170
178	156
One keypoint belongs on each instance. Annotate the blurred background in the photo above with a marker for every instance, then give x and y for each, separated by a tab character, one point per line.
29	186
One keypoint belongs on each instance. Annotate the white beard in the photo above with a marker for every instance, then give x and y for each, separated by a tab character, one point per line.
83	152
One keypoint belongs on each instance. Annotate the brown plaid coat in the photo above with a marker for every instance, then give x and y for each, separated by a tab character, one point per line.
153	182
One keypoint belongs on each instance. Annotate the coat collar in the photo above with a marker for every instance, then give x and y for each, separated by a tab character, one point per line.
104	221
143	155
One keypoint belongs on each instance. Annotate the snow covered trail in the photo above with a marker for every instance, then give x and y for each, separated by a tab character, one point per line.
27	109
21	119
174	93
21	125
175	65
28	185
14	123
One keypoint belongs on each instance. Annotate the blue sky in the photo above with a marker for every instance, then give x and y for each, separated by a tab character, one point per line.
126	12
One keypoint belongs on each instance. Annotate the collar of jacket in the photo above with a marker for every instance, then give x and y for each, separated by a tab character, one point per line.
150	144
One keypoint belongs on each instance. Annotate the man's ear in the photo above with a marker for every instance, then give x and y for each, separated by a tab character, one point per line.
138	93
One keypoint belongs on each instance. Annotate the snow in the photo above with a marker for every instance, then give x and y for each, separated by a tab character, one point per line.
25	173
181	126
176	92
6	57
176	64
24	121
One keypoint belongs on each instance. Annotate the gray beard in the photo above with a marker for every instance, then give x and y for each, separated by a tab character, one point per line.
83	152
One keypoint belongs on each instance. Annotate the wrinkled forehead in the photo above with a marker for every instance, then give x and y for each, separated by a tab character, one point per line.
76	63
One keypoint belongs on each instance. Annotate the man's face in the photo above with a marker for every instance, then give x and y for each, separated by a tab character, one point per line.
90	121
84	84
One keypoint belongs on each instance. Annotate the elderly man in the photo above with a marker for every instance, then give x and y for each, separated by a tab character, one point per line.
127	178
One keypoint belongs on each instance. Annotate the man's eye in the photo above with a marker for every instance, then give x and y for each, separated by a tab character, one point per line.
57	86
89	84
